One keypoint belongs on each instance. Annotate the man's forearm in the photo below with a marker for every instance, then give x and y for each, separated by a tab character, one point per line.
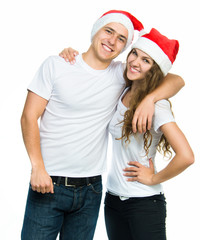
31	136
171	85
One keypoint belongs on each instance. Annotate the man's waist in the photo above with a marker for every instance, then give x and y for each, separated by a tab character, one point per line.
75	182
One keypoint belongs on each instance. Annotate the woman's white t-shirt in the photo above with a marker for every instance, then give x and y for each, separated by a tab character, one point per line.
134	151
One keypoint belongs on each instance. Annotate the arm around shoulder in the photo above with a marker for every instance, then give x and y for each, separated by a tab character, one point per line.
170	86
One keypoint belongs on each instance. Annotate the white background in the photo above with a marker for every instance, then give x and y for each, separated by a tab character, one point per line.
33	30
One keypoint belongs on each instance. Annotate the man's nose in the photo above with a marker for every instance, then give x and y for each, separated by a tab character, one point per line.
112	39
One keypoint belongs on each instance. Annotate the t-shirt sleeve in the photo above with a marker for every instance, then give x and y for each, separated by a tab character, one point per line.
42	83
162	115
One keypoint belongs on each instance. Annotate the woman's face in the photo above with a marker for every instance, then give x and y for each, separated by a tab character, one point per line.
138	64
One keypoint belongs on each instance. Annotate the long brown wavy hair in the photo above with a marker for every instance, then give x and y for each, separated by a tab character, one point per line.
152	80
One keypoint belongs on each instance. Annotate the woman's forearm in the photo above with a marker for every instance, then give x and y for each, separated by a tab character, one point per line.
177	165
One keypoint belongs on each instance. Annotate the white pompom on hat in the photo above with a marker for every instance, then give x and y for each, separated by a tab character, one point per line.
125	18
161	49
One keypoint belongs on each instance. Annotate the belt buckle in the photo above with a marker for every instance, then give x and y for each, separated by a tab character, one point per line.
68	185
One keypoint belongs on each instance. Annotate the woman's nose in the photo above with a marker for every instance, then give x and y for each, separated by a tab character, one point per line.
136	61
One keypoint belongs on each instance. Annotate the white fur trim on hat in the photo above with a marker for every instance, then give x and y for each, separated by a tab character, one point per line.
155	52
114	17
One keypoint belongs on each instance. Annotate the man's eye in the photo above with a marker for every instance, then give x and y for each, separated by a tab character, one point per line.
108	31
121	40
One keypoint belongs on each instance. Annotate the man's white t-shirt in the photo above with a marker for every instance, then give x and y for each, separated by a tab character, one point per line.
134	151
74	125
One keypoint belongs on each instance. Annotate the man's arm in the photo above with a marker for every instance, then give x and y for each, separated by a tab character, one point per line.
33	109
142	118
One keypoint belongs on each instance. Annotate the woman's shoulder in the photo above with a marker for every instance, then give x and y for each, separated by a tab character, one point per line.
163	104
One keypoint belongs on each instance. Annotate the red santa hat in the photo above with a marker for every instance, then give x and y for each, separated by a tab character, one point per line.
125	18
160	48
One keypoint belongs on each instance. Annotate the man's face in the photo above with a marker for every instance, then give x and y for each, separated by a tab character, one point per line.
109	41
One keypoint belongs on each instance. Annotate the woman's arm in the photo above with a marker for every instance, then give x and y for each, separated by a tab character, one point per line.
69	55
33	109
183	158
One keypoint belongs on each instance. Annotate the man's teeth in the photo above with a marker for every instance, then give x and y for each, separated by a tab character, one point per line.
107	48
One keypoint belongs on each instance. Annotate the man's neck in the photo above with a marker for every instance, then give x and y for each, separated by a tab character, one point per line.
94	62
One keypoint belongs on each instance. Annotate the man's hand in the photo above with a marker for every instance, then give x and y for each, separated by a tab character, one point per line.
69	55
142	118
41	181
140	173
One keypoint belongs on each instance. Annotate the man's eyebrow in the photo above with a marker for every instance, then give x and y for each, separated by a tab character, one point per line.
111	29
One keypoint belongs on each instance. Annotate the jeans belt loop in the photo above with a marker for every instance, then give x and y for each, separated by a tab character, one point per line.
87	181
59	179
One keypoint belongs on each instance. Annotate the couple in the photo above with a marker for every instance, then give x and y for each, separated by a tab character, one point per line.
76	105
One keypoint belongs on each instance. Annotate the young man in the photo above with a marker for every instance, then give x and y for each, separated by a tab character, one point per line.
68	152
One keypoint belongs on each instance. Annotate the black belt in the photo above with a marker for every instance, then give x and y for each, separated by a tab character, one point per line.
75	182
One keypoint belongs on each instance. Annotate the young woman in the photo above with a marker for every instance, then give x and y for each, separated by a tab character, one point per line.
135	206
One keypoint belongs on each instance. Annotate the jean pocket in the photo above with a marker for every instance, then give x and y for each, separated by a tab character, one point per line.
40	198
96	187
161	207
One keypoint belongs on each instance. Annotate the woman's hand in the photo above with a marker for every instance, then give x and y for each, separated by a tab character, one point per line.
140	173
69	55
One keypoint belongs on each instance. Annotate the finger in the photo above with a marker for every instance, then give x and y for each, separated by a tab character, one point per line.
149	122
33	188
151	163
72	61
132	179
44	190
38	189
134	123
76	53
139	125
144	125
134	163
131	169
52	188
71	55
131	174
65	57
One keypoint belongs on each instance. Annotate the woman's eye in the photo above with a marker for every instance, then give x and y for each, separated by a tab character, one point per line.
146	61
134	52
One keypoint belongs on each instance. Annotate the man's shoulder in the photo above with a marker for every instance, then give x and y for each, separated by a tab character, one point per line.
56	59
116	64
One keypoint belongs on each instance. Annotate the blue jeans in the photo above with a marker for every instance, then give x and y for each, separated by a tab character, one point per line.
136	218
70	211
